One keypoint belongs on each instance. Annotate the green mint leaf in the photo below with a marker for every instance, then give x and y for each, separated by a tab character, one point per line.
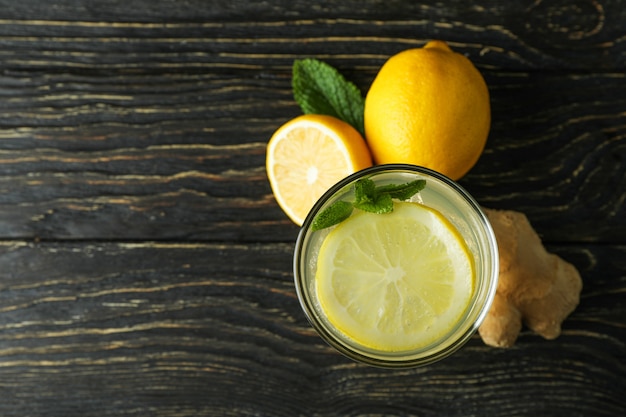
403	191
364	191
368	197
320	89
332	215
380	204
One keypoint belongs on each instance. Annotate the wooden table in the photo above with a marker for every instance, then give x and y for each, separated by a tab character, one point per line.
145	268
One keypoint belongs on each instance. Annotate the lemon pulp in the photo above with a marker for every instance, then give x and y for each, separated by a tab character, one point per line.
394	282
307	155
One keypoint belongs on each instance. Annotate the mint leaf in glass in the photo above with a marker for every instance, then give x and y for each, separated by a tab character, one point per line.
403	191
368	197
379	204
364	191
332	215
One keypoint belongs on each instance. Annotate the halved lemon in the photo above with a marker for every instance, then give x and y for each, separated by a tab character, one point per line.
395	282
309	154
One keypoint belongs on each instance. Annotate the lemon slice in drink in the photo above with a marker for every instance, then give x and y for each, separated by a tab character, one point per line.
394	282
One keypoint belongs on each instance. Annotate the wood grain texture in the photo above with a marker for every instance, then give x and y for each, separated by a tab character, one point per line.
156	124
145	268
193	167
164	329
526	34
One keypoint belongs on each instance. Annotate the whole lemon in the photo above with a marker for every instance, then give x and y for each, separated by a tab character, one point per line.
428	106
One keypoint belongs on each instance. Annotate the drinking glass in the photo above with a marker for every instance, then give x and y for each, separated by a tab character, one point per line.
459	208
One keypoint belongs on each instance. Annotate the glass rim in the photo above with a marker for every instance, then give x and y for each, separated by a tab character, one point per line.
388	167
382	360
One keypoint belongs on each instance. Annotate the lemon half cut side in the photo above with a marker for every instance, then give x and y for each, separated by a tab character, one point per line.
309	154
395	282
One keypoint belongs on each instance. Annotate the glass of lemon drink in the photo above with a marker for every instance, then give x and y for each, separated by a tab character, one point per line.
392	277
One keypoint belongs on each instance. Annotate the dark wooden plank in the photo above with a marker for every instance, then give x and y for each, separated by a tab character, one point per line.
124	157
139	130
557	152
146	34
116	126
170	329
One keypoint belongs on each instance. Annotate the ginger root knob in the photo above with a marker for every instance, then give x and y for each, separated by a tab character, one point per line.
535	288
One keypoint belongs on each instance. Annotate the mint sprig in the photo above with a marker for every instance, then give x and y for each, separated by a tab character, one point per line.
367	197
320	89
332	215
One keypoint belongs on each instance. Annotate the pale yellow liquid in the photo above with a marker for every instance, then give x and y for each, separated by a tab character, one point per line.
434	324
394	282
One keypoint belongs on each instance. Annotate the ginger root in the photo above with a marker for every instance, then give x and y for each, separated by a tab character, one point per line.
535	287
